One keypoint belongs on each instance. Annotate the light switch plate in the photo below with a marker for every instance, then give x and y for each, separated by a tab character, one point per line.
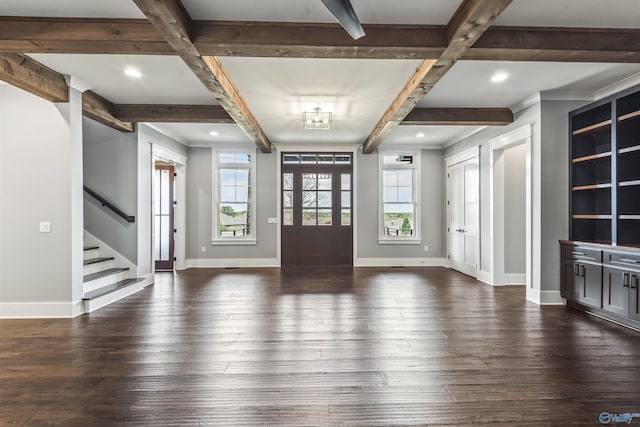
45	227
272	220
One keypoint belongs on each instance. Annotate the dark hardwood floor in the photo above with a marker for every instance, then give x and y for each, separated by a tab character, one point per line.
319	346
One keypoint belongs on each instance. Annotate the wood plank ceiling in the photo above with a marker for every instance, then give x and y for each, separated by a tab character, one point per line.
170	30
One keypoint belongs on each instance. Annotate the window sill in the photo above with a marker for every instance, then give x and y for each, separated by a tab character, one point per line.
399	241
234	242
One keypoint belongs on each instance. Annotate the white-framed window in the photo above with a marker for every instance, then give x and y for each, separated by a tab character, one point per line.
234	206
399	198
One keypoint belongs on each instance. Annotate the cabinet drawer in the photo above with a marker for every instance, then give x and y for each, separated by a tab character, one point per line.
582	253
631	261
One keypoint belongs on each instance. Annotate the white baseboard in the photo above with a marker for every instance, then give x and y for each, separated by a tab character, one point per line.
232	262
508	279
399	262
40	310
514	279
545	297
484	277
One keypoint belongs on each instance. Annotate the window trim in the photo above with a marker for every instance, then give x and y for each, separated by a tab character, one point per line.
216	239
416	238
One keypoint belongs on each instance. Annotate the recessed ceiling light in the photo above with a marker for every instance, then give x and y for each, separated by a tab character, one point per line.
214	133
420	135
133	72
499	77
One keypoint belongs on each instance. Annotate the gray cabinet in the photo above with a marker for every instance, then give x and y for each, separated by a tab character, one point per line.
590	284
582	275
602	279
615	291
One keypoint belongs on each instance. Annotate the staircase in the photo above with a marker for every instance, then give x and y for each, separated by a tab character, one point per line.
105	283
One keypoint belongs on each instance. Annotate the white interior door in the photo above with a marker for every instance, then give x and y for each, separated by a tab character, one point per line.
463	216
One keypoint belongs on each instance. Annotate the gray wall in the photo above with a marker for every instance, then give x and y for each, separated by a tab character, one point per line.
432	200
549	121
200	208
554	176
515	209
111	169
528	116
35	184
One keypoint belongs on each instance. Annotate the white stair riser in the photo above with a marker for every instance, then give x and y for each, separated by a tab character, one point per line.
93	253
96	267
96	303
104	281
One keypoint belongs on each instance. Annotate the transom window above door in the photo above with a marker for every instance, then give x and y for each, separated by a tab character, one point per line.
316	159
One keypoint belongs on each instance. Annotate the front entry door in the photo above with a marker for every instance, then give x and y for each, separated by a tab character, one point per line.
463	216
317	209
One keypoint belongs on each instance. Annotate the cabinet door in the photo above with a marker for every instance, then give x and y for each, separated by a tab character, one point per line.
634	296
590	284
569	288
615	291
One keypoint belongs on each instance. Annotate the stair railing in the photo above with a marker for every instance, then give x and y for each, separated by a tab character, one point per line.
106	203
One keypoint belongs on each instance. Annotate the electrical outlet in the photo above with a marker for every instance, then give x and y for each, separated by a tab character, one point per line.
203	249
45	227
426	248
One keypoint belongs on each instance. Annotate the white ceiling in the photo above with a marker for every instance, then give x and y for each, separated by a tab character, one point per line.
72	8
468	83
572	13
198	134
356	91
434	136
432	12
166	79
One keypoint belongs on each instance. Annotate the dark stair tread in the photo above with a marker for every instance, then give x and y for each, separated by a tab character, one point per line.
90	248
103	273
110	288
96	260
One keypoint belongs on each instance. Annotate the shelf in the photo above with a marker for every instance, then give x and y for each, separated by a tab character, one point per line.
629	149
592	127
628	183
592	157
592	187
628	216
591	216
629	116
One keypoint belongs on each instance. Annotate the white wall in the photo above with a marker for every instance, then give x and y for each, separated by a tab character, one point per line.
38	182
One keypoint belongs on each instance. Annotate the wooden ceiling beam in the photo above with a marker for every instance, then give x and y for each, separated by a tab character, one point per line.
101	110
458	117
172	113
558	45
81	35
313	40
472	18
28	74
174	24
